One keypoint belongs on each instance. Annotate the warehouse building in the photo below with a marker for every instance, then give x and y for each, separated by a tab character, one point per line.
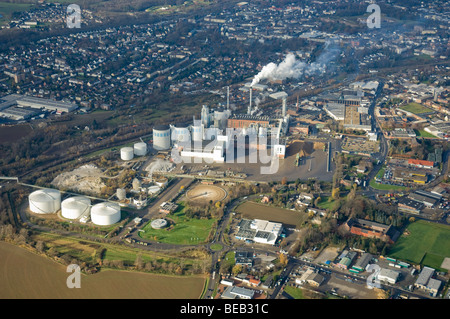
388	276
258	230
426	283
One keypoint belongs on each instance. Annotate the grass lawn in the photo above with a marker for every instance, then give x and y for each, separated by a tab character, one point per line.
385	187
428	243
325	204
294	292
185	231
423	133
415	108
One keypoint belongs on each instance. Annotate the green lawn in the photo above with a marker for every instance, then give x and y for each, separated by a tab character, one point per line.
428	243
415	108
325	203
423	133
294	292
385	187
185	231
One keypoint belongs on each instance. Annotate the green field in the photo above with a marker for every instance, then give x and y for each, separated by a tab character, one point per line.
325	203
415	108
7	9
294	292
423	133
385	187
184	231
427	244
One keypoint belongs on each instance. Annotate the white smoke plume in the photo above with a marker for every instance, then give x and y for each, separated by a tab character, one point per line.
290	67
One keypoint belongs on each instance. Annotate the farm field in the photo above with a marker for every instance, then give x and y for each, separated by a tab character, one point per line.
253	210
185	231
14	133
26	275
427	243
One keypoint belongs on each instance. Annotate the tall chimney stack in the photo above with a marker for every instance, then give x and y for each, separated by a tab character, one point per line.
249	111
284	107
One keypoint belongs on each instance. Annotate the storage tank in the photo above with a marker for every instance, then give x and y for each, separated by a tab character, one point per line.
126	153
159	223
161	137
75	207
140	149
181	133
161	181
105	213
45	201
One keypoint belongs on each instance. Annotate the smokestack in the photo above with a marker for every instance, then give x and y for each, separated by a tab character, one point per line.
228	97
250	103
284	107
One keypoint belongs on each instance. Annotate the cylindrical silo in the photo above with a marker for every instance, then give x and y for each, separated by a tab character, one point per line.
140	149
75	207
126	153
181	133
105	213
45	201
161	137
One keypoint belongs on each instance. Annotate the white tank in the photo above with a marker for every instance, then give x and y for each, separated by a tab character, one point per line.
181	133
161	137
126	153
159	223
45	201
105	213
74	207
140	149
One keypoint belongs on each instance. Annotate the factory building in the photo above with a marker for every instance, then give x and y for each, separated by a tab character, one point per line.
258	230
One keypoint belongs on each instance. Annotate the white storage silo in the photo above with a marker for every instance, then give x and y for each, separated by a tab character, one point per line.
181	133
161	137
75	207
126	153
140	149
105	213
45	201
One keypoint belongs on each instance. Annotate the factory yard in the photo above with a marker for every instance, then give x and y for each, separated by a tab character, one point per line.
30	276
252	210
